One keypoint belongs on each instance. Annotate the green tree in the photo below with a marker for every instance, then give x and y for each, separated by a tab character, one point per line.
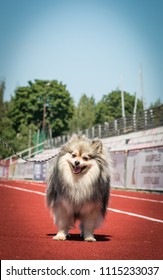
84	115
45	104
8	135
2	89
7	132
157	103
25	136
110	107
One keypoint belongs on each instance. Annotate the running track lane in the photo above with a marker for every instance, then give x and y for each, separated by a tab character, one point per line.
26	228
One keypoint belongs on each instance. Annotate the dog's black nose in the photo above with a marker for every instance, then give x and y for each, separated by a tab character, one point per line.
77	162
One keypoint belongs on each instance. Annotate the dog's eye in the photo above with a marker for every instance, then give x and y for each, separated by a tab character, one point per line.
73	155
85	158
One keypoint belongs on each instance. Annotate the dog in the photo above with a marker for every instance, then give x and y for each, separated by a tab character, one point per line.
78	186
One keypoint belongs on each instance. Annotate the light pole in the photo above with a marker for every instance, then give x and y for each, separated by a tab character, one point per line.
44	114
44	110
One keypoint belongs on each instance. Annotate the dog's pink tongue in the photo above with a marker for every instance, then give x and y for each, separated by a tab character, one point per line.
77	170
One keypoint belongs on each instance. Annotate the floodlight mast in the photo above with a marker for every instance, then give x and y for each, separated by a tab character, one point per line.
140	88
123	104
44	109
122	99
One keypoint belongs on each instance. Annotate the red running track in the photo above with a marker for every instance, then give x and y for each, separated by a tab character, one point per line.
133	227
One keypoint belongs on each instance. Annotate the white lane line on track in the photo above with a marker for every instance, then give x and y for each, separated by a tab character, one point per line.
22	189
135	215
110	209
137	198
34	183
42	184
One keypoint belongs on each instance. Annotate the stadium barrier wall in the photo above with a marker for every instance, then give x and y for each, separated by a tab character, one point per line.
137	162
139	170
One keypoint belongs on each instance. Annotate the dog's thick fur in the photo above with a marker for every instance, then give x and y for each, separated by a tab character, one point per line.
78	186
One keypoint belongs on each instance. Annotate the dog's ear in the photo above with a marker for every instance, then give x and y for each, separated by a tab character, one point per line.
97	145
74	137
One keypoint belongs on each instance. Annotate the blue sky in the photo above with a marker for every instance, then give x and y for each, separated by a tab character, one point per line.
92	46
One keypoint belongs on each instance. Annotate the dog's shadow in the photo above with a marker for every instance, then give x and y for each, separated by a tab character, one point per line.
77	237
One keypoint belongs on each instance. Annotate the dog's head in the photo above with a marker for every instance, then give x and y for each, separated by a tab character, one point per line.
81	154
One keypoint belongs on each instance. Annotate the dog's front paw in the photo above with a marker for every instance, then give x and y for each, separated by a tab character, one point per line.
90	239
60	236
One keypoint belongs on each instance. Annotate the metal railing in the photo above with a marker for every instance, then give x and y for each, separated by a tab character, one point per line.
141	121
144	120
25	154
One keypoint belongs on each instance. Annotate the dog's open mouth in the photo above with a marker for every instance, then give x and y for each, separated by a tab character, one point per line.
78	169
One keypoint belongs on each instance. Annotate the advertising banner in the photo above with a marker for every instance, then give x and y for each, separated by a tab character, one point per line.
12	169
145	169
1	171
29	168
5	170
40	171
19	170
118	178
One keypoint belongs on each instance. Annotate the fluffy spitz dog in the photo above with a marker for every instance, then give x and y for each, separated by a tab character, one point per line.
78	186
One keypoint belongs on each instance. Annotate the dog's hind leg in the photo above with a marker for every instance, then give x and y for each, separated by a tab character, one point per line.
81	230
90	222
89	234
